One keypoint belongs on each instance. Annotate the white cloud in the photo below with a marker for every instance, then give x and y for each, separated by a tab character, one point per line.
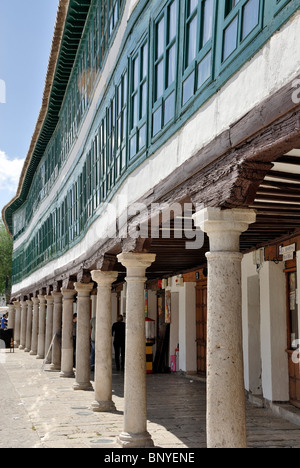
10	171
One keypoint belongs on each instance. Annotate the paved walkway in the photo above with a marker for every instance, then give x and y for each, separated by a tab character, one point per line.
40	409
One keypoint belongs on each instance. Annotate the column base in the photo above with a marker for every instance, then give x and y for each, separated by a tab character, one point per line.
67	375
103	407
40	357
21	347
26	350
32	353
127	440
55	368
86	386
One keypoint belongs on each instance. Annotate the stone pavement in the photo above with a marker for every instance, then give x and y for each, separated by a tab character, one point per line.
39	409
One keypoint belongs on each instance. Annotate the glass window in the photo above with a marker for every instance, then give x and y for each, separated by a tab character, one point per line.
242	17
199	23
138	99
250	17
230	38
165	65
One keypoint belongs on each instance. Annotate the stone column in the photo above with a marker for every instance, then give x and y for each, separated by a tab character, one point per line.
103	362
57	331
135	414
35	326
29	326
67	333
42	327
17	323
49	327
83	345
11	316
226	413
23	324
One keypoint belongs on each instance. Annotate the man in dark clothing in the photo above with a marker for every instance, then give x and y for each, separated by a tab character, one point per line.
118	331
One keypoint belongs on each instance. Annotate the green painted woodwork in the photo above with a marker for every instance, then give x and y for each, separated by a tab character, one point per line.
174	56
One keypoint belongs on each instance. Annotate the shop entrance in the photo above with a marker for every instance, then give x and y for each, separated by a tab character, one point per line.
293	334
201	324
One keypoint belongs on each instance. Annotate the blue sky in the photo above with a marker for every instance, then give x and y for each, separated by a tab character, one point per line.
26	30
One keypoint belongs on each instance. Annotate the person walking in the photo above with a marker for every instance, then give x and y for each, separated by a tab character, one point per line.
118	332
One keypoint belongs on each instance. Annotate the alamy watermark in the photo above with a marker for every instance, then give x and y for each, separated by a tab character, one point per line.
2	92
296	93
296	353
159	221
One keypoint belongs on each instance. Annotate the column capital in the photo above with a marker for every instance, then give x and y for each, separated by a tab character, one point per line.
10	307
136	263
50	300
224	227
42	299
16	303
57	296
84	289
68	294
35	300
29	302
104	278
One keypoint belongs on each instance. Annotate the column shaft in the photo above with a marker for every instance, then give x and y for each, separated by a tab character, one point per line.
83	346
67	334
17	322
42	327
135	414
23	324
57	331
103	362
35	326
29	326
49	328
226	411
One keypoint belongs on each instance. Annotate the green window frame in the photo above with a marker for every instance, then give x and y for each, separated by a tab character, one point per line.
241	21
138	99
102	158
121	125
165	67
198	56
111	146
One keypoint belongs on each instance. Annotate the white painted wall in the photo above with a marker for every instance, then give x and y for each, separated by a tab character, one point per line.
264	329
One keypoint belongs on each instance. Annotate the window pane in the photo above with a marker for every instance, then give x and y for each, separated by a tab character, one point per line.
157	121
135	110
250	16
135	73
188	88
160	38
142	137
172	21
143	100
230	38
145	60
171	65
159	79
192	40
208	10
169	108
192	5
204	70
133	147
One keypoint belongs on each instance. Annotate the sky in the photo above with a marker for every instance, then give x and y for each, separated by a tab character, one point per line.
26	31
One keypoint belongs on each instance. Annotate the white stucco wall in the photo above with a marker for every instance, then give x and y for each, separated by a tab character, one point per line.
272	330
